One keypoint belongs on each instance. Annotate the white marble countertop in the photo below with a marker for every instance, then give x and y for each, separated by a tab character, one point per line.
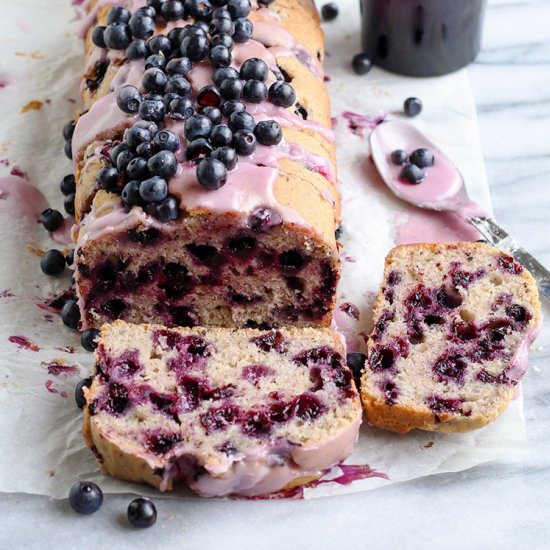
498	505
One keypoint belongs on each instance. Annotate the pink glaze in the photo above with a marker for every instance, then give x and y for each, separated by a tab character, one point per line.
63	234
357	122
519	362
260	470
21	199
425	226
443	185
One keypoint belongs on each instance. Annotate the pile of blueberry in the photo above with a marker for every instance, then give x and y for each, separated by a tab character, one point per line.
86	497
217	126
413	169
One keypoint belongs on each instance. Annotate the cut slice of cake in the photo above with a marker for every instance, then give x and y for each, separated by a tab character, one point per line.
230	412
453	323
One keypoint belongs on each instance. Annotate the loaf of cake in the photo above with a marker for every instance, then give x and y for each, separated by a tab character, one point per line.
452	327
229	412
206	185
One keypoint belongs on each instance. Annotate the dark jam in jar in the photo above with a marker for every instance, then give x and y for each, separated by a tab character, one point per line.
422	37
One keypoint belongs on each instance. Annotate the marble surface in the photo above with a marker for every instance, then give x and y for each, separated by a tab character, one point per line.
498	505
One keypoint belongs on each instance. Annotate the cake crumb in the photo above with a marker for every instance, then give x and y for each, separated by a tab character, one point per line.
34	105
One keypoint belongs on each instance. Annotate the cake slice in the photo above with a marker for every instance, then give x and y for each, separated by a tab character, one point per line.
453	323
229	412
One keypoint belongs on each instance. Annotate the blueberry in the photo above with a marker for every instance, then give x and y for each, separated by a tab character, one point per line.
221	135
412	173
254	91
339	232
52	263
174	35
167	210
160	44
241	120
412	106
220	56
254	69
213	113
211	173
208	96
67	148
152	109
168	98
181	108
178	84
69	257
224	73
226	155
222	39
51	219
142	512
219	26
198	149
68	204
137	169
423	158
84	383
130	194
244	142
221	12
199	9
68	184
163	164
361	63
151	127
85	497
70	314
154	80
243	30
145	150
166	140
197	126
268	132
68	130
195	47
154	189
98	36
148	10
156	61
128	99
191	30
142	26
238	8
356	364
232	106
136	135
116	150
117	36
123	159
282	94
172	10
179	65
399	157
329	11
231	89
137	50
118	14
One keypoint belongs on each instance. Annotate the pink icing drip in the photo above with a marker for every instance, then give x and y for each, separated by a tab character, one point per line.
63	234
21	199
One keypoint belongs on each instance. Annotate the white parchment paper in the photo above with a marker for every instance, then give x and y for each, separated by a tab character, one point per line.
42	449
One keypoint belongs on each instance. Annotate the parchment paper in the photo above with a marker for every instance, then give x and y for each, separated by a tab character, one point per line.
42	449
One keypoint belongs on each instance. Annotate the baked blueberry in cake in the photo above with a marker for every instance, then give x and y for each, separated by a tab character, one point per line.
230	412
206	192
452	327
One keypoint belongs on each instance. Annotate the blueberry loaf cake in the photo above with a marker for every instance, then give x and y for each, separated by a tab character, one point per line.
206	187
229	412
452	327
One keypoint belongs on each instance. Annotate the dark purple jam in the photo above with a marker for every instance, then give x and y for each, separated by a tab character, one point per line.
424	37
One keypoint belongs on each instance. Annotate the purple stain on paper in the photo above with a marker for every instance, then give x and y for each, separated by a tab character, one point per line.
23	343
51	389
